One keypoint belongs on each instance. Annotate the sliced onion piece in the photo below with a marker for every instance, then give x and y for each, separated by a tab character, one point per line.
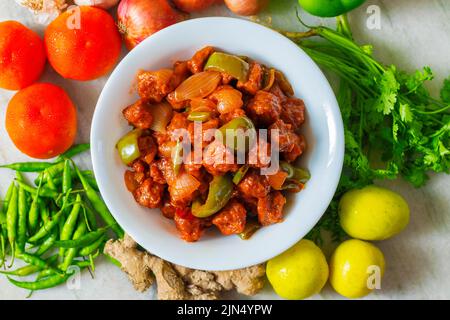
162	114
183	186
198	85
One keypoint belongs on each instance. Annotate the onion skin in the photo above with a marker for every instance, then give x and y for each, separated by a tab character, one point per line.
138	19
193	5
246	7
104	4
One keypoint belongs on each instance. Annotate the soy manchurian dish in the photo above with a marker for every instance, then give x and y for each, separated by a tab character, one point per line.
220	93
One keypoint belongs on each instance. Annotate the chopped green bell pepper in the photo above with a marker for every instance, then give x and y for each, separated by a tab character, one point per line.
329	8
128	146
232	127
201	116
220	191
233	65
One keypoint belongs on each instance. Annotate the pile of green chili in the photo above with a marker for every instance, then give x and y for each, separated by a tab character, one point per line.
52	224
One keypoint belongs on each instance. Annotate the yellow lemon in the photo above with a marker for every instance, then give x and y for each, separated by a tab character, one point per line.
356	268
299	272
373	213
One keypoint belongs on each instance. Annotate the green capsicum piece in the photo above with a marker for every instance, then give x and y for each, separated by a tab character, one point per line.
232	127
329	8
240	174
177	157
220	191
295	175
128	146
201	116
233	65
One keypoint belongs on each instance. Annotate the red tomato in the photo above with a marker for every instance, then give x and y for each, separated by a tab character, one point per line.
22	56
41	120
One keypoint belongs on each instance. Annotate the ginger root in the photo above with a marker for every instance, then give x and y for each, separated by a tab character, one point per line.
175	282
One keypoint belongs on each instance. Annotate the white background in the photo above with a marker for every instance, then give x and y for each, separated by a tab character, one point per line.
413	33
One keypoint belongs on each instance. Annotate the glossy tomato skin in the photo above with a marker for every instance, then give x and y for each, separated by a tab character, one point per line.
41	120
22	56
83	43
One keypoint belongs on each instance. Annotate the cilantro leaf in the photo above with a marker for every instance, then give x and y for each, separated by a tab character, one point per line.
445	91
389	88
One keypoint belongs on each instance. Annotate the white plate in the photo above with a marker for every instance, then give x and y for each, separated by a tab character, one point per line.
323	131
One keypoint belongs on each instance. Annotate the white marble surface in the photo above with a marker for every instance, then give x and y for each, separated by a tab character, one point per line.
413	33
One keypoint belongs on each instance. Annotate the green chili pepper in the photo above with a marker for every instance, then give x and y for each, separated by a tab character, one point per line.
240	174
128	146
73	151
58	180
329	8
92	247
33	214
99	205
50	172
71	253
113	261
29	269
220	191
71	221
200	116
83	241
233	65
36	261
44	192
11	221
89	217
3	224
22	219
177	157
48	243
67	177
49	225
230	132
46	283
28	166
44	212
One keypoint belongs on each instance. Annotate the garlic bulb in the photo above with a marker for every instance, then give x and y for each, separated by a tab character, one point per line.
45	10
104	4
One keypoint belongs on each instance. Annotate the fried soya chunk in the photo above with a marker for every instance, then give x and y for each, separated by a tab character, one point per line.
156	174
147	148
189	227
149	194
283	134
167	209
199	59
276	90
298	149
231	219
153	86
227	117
264	109
254	82
218	159
270	208
293	112
179	121
226	78
180	73
259	155
202	134
254	185
166	168
138	114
